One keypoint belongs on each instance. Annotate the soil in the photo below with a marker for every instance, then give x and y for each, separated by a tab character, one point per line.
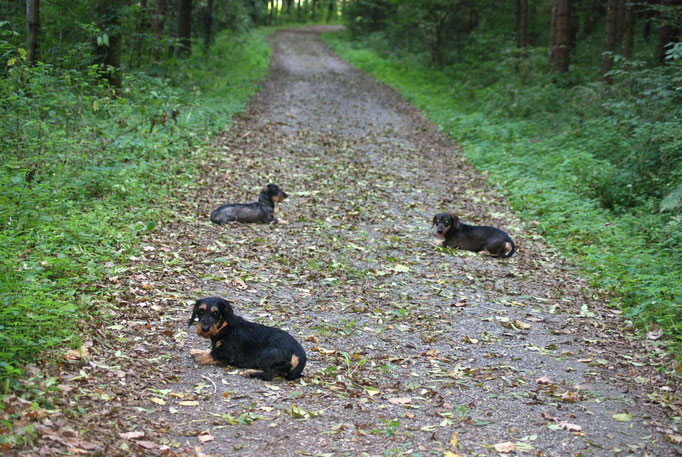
411	347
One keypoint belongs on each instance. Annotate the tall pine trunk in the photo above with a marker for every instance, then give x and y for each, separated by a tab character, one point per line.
184	28
158	23
109	44
208	23
668	31
560	37
521	23
32	27
609	39
629	32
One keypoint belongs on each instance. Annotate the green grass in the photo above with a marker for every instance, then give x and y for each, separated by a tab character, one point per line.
83	176
540	140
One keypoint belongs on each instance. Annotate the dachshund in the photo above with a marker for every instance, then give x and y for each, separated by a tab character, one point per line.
260	212
266	352
454	234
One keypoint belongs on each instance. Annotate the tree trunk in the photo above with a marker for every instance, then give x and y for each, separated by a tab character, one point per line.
184	28
158	23
629	31
620	20
609	39
312	14
331	9
521	22
289	8
32	26
668	31
208	22
109	44
560	37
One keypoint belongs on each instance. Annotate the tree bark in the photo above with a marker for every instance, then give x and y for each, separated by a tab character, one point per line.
184	28
667	32
521	23
609	39
158	23
208	23
331	9
109	44
560	37
32	27
629	32
312	14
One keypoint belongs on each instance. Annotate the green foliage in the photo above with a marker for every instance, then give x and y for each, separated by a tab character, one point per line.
84	173
589	165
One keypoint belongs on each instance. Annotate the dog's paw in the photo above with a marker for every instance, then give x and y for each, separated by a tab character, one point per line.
202	357
250	373
438	242
282	221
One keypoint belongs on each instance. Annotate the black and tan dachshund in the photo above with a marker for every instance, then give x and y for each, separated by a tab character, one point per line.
454	234
266	351
260	212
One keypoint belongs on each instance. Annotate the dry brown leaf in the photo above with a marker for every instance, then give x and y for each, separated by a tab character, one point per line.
569	397
570	427
400	401
505	448
205	438
131	435
147	444
189	403
543	380
677	439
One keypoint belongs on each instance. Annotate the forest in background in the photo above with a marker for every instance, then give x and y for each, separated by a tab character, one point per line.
573	106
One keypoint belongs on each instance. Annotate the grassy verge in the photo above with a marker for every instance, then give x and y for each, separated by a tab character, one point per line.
540	141
84	173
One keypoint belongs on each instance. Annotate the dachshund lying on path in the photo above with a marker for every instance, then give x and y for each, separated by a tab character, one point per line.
454	234
266	351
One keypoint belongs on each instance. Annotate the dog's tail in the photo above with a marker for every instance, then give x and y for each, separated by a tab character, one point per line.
510	248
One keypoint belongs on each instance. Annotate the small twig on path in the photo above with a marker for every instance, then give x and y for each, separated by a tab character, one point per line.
215	388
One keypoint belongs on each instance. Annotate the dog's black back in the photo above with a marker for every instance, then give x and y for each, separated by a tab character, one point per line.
260	212
243	344
472	237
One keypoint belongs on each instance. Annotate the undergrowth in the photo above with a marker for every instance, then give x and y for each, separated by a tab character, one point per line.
572	156
84	173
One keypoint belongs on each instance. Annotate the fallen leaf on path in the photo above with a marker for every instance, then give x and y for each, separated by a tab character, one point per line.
400	401
505	448
205	438
570	427
622	417
677	439
131	435
147	444
189	403
543	380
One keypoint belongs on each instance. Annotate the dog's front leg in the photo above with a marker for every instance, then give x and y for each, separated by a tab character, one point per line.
202	357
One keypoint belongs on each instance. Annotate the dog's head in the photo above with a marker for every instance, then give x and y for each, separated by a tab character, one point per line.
274	192
443	223
213	314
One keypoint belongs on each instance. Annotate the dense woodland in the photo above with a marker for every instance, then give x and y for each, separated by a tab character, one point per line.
102	99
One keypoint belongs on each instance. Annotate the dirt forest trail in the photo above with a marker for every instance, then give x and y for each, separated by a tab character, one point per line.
407	343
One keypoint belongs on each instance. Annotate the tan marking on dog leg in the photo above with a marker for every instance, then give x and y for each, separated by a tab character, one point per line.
484	252
218	344
202	357
294	361
507	247
250	373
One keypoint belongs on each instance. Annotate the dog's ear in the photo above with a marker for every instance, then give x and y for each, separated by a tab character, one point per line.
194	313
455	221
434	220
226	311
